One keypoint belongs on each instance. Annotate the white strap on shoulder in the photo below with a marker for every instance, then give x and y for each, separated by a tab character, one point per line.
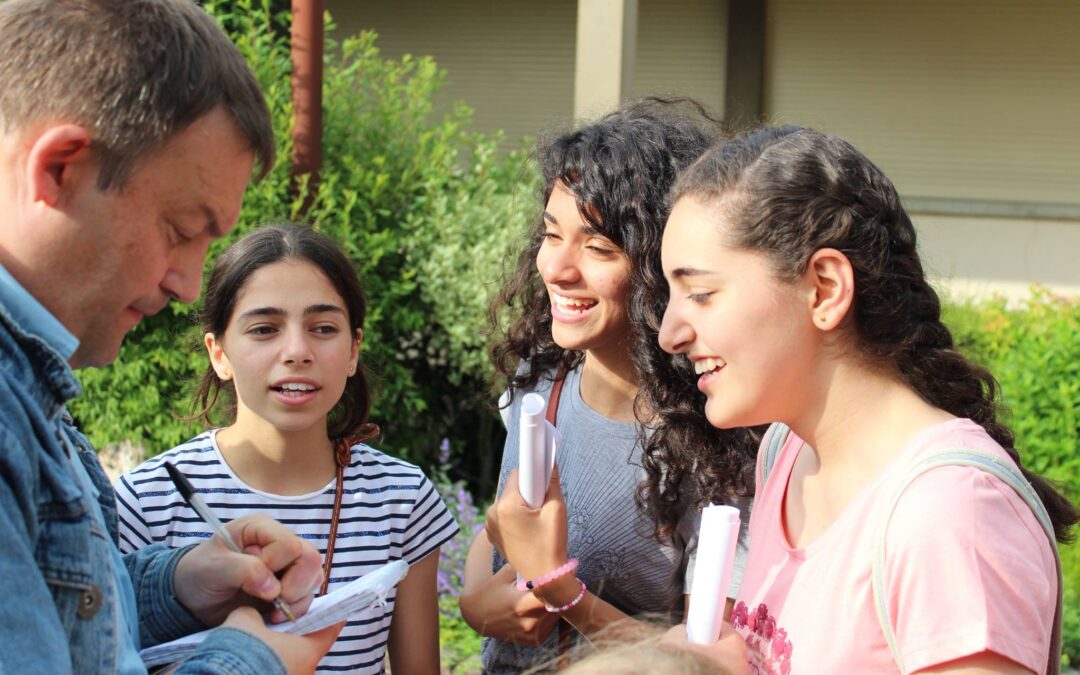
1005	472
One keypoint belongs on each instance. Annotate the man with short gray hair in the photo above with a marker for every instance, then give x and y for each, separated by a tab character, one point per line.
129	130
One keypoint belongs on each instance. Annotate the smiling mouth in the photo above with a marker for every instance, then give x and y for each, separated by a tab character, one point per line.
295	389
573	305
710	365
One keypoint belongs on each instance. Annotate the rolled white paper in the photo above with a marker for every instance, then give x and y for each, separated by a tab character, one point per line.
534	470
717	537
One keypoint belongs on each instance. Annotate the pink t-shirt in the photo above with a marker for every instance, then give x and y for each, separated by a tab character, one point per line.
968	569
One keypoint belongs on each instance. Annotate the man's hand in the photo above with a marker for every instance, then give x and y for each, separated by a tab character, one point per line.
212	581
299	653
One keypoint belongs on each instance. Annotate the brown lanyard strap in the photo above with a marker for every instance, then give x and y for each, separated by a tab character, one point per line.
342	458
556	392
342	455
551	416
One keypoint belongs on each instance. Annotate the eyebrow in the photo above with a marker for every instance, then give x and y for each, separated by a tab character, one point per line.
586	229
683	272
277	311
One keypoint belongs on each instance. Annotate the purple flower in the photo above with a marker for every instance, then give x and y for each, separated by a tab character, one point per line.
444	452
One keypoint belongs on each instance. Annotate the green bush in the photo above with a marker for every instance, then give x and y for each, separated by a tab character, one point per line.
1034	352
421	205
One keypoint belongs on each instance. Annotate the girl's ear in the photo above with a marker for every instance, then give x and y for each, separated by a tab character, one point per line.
832	280
218	360
354	356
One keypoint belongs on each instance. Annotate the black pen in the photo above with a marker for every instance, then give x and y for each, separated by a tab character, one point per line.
197	503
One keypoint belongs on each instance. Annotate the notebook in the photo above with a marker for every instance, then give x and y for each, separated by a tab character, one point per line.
326	610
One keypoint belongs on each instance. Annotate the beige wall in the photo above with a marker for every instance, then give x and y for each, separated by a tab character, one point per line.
962	100
512	61
681	49
971	106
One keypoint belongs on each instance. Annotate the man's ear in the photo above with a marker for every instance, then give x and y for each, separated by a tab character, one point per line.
832	279
57	158
218	360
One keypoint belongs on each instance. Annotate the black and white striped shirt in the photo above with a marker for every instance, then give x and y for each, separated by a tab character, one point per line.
389	511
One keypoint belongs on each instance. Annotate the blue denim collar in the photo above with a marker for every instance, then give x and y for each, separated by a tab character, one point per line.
46	343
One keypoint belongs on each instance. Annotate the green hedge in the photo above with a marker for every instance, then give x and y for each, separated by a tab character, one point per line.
423	208
1034	352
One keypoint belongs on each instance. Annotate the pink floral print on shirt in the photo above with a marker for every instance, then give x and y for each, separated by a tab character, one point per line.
767	644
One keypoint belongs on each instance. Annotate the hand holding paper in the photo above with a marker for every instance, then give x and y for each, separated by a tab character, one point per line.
324	611
717	537
533	540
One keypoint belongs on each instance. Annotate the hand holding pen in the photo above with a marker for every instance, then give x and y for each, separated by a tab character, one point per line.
211	583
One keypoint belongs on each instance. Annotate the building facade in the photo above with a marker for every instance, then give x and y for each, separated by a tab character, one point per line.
971	106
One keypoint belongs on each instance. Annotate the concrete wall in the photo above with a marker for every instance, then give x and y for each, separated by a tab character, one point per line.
971	106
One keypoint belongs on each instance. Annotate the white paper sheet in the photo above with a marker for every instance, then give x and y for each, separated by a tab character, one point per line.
717	537
536	450
326	610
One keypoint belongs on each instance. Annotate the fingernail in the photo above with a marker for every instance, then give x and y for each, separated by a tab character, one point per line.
268	586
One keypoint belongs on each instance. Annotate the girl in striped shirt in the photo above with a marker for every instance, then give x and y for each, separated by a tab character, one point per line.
282	320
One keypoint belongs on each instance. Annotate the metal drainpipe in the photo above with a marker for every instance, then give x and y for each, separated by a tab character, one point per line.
307	60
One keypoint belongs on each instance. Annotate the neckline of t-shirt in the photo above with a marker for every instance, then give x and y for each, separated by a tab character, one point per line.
263	493
867	493
581	408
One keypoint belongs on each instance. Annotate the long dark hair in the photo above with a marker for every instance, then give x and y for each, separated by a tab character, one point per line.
232	269
789	192
621	169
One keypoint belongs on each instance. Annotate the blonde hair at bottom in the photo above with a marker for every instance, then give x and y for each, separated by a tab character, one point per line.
630	648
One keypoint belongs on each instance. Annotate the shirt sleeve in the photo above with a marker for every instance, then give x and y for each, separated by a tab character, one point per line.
968	570
430	525
133	528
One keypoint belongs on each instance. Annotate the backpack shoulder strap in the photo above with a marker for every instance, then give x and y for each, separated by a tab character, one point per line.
775	438
1003	471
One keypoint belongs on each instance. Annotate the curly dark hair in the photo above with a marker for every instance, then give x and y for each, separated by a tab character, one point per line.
621	169
789	192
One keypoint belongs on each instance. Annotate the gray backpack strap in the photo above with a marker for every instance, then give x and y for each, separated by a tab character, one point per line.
1005	472
775	437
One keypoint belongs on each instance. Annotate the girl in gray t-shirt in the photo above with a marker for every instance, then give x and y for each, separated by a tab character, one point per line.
577	306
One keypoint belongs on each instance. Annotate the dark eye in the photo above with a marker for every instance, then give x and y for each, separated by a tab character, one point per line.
326	329
550	236
698	298
601	251
261	330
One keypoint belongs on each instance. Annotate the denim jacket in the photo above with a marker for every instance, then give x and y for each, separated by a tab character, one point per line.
62	600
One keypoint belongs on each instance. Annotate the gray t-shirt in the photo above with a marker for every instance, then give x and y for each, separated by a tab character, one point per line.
619	559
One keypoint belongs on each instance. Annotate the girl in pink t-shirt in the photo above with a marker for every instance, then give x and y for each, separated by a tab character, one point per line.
797	292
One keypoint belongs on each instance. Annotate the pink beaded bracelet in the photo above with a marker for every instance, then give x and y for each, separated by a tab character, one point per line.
569	567
573	603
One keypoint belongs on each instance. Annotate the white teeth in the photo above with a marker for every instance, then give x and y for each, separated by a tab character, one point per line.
707	365
572	304
297	386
